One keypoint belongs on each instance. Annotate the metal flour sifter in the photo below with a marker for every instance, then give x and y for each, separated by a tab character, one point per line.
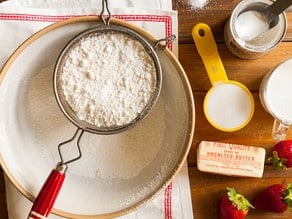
51	188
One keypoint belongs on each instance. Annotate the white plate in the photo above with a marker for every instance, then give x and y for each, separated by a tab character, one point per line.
109	180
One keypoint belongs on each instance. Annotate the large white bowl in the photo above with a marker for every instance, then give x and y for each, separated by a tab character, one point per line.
31	127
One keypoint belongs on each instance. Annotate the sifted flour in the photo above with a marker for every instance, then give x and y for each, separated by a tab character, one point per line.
108	79
119	156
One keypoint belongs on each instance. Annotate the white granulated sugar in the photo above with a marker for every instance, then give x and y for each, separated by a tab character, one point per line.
108	79
198	4
229	105
250	25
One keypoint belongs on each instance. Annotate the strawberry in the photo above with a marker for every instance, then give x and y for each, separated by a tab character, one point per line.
282	154
233	205
275	198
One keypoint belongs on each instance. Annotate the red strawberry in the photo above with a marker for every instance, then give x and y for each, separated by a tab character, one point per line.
282	154
233	205
275	198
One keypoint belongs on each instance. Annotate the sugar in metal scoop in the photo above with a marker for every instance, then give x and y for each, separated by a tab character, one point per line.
83	81
228	105
271	13
266	16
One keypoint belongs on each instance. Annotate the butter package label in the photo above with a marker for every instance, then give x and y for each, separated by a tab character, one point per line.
231	159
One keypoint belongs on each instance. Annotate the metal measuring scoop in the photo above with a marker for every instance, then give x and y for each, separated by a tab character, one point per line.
271	14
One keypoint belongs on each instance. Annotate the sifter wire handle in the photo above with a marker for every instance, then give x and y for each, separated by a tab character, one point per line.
106	20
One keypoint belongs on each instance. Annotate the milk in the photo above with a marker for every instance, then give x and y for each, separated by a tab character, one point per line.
278	97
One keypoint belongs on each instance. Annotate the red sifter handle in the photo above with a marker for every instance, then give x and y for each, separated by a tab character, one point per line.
48	194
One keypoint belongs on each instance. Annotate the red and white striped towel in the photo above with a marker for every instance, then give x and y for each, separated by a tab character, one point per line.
19	20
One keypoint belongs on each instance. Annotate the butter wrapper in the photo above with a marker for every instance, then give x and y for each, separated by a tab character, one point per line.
231	159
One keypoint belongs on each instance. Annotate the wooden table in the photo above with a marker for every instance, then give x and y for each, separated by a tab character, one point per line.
207	189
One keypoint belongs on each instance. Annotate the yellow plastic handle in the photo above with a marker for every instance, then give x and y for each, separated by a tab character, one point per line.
207	49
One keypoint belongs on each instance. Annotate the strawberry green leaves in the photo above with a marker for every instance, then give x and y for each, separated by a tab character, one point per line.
239	200
233	205
282	154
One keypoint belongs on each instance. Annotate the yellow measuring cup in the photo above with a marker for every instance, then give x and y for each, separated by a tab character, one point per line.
228	105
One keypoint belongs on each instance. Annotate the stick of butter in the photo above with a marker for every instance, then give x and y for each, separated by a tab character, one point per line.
231	159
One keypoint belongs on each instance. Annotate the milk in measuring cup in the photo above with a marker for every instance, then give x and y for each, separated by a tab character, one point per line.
275	96
279	91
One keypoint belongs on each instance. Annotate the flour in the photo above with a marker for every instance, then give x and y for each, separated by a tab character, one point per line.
250	24
119	156
108	79
125	155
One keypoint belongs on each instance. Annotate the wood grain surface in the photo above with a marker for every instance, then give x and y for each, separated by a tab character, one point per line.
207	189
